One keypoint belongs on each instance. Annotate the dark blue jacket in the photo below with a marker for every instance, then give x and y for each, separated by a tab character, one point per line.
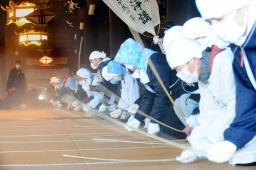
243	128
155	103
80	94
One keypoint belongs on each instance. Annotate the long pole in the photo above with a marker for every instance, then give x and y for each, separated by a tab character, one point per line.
80	51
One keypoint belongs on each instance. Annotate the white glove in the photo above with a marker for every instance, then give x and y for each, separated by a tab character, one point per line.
133	108
86	108
112	108
187	156
77	109
69	106
102	108
132	123
124	115
146	122
153	128
221	152
57	104
115	114
76	103
112	99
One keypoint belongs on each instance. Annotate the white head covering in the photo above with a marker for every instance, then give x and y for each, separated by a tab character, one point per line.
218	8
197	27
56	83
181	51
170	36
84	73
106	75
97	54
54	80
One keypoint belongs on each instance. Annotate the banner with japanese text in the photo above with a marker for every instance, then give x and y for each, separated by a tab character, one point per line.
140	15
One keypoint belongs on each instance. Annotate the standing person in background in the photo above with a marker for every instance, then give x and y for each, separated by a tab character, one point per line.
16	86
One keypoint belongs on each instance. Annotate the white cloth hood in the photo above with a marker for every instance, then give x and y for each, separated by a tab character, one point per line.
218	8
97	54
182	51
54	80
84	73
197	28
106	75
170	35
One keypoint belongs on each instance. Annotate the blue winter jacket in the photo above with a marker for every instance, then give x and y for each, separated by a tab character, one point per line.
243	128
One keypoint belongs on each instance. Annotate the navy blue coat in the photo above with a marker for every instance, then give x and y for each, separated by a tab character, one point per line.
155	104
80	94
243	128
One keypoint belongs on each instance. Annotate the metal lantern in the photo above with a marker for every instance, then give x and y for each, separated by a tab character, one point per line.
32	38
46	60
16	13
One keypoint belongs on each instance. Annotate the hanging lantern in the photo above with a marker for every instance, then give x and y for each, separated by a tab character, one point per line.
17	13
32	38
45	60
41	16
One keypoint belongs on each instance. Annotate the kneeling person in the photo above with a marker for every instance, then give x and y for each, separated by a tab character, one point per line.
217	103
114	73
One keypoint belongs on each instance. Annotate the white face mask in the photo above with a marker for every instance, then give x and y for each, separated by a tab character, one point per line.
94	67
188	77
228	29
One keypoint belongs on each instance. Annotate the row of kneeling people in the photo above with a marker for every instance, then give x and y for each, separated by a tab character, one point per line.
209	70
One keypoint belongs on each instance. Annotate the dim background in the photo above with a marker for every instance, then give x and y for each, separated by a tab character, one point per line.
103	31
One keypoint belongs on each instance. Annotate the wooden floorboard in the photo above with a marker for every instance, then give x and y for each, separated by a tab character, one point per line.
38	139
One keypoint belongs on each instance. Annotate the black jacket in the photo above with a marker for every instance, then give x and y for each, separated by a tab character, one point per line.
168	77
16	80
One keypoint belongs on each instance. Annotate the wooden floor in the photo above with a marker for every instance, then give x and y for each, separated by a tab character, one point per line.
38	139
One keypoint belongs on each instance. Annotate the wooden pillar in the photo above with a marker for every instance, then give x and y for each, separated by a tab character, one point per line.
102	16
118	32
2	52
90	35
